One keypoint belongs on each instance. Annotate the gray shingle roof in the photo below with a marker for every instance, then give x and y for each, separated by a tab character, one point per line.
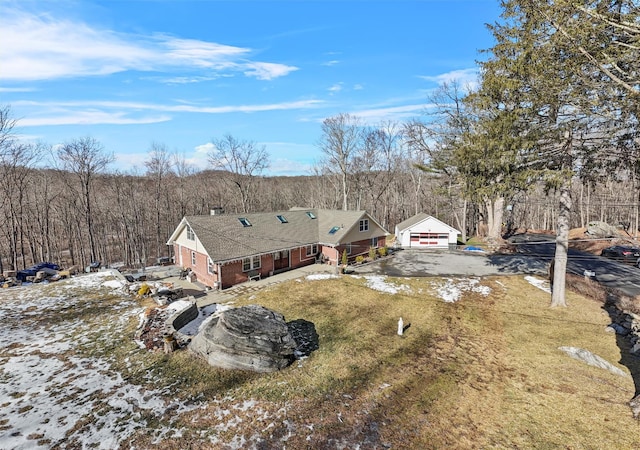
226	238
412	221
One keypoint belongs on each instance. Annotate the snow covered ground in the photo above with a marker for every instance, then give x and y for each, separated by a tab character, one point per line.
539	283
53	395
59	388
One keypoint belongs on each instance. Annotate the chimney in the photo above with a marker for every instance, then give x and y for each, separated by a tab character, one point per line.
217	210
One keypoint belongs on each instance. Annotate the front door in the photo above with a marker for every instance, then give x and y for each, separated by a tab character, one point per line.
281	261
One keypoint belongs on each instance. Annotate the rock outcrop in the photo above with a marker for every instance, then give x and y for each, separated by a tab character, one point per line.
602	230
248	338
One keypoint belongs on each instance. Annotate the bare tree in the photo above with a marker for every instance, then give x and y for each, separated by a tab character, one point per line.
158	168
85	158
182	170
243	160
342	136
16	160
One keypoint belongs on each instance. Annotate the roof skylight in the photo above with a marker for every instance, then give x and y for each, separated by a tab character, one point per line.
334	230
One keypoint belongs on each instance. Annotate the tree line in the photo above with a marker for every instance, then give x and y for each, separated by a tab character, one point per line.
547	139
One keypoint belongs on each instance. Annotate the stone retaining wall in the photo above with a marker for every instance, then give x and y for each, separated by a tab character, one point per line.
625	323
179	319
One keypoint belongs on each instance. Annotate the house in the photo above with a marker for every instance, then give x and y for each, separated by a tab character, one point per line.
226	249
424	231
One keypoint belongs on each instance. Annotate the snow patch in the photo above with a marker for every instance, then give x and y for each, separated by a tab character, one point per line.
321	276
380	283
539	283
451	290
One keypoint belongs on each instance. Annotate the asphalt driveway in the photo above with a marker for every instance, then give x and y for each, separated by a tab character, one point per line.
424	263
532	259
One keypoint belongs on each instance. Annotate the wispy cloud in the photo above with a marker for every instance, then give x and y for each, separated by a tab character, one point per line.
18	89
91	118
392	113
42	47
333	62
336	88
465	77
115	112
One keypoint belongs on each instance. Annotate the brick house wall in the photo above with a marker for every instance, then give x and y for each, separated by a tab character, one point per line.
359	248
201	267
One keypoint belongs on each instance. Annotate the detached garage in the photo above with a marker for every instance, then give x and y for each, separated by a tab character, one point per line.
424	231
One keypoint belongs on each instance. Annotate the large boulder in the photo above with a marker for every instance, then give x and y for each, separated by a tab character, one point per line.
601	230
248	338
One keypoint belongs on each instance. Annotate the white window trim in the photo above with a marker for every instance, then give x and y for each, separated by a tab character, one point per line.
348	247
252	263
193	258
374	242
191	236
313	248
210	266
364	225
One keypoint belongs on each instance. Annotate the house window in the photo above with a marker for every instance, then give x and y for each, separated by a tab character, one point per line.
364	225
250	263
334	230
210	266
244	221
193	258
312	250
348	246
311	215
374	242
282	219
190	234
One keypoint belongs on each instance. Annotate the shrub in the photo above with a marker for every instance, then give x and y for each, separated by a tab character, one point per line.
372	253
345	257
359	259
382	251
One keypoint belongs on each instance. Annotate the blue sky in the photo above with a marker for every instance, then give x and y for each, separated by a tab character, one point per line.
181	73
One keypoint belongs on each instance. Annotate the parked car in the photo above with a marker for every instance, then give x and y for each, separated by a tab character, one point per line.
622	253
33	270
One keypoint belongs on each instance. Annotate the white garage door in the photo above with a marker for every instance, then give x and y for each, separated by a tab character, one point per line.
429	240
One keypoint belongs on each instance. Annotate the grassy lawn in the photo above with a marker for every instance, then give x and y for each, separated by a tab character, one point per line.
483	372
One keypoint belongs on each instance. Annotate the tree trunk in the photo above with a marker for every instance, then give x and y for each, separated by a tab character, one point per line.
562	247
495	211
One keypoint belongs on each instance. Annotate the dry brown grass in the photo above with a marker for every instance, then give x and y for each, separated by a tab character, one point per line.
484	372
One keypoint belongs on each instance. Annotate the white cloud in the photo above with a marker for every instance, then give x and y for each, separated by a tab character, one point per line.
288	167
267	71
204	149
393	113
18	89
90	118
39	47
358	87
115	112
331	63
465	77
336	88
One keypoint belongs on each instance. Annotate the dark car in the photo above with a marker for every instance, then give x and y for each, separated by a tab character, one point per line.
623	253
33	270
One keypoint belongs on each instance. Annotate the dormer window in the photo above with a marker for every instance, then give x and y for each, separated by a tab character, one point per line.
334	230
282	219
311	215
190	234
244	221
